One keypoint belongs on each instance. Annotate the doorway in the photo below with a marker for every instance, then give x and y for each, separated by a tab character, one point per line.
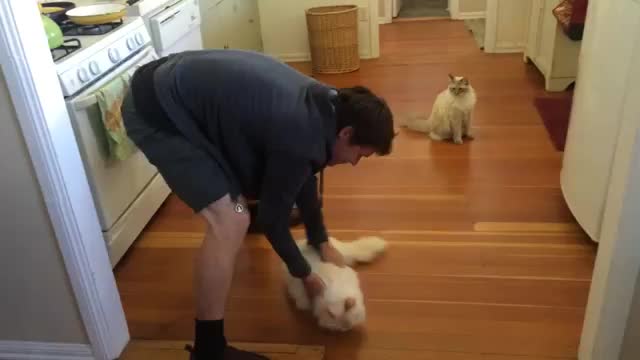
410	9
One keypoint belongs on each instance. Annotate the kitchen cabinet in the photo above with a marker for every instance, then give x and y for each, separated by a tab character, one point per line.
549	49
231	24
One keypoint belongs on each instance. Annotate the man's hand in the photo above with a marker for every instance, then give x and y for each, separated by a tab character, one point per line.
328	253
313	285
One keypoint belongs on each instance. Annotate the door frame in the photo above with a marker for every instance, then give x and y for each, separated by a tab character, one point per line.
387	16
41	112
454	9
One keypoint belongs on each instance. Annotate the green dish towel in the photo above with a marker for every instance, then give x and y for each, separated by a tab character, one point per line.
109	100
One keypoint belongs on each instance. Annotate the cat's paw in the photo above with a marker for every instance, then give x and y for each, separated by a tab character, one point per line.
457	141
470	136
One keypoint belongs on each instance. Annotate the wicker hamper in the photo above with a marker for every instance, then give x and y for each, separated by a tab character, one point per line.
333	38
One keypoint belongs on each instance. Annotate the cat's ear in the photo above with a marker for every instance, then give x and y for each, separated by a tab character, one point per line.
349	303
465	81
451	77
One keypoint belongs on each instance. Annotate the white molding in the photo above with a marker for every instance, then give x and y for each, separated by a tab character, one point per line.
387	17
305	56
294	57
471	15
19	350
42	115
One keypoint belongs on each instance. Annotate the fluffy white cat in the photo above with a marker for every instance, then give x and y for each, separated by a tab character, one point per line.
451	113
341	306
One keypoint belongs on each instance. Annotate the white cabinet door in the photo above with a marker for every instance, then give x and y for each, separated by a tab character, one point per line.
533	33
547	36
245	25
214	23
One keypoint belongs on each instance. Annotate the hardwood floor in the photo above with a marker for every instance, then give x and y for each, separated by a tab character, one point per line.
485	260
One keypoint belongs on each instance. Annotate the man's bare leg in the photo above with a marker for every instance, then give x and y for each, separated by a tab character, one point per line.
227	223
226	230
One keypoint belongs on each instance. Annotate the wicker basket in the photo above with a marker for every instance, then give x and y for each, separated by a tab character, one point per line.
333	38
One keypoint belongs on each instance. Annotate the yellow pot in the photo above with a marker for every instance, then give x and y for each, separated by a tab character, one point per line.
97	14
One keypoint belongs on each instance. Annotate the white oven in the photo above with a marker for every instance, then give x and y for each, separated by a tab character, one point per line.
126	192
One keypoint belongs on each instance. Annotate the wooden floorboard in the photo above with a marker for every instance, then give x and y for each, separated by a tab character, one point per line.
174	350
485	261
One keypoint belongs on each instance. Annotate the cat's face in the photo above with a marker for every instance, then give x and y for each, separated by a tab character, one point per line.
341	314
341	306
458	85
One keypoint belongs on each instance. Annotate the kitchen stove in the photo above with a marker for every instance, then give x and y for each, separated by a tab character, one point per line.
127	192
67	47
72	29
99	54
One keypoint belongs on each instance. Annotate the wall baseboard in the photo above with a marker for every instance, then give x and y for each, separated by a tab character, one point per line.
19	350
294	57
471	15
300	57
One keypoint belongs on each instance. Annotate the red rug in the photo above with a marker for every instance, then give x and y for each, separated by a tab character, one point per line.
555	113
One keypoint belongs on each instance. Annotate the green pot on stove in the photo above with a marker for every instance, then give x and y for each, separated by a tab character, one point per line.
53	32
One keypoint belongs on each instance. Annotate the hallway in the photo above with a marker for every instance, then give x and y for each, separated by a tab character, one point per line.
485	260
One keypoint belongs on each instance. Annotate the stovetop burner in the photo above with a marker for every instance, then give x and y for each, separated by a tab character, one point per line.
71	29
67	47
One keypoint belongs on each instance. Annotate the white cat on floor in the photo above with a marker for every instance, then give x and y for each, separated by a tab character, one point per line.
451	113
341	306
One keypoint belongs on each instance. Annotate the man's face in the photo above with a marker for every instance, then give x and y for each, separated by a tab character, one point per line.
345	152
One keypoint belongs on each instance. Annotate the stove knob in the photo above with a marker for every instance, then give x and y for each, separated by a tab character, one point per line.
114	55
139	39
131	44
94	68
82	75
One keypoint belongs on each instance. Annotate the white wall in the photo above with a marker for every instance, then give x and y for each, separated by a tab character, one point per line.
631	345
284	27
506	26
606	108
36	299
473	6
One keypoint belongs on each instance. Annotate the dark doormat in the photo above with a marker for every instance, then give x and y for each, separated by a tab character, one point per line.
555	113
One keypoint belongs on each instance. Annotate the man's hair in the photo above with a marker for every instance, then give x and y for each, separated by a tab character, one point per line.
368	115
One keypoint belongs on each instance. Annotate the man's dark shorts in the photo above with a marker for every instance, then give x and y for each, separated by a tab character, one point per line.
191	173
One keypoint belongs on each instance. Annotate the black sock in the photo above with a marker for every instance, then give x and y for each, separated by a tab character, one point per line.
210	341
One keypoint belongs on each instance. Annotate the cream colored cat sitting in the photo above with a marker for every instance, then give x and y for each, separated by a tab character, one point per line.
451	113
341	306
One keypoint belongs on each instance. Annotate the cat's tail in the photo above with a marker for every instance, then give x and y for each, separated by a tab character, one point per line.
364	249
416	122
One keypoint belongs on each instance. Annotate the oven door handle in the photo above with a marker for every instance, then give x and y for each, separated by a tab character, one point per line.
89	100
84	102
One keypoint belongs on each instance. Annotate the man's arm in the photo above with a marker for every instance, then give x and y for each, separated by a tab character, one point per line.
309	205
283	179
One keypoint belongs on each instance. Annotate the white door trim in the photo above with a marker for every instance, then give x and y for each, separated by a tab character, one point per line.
387	16
491	26
36	95
454	9
44	351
